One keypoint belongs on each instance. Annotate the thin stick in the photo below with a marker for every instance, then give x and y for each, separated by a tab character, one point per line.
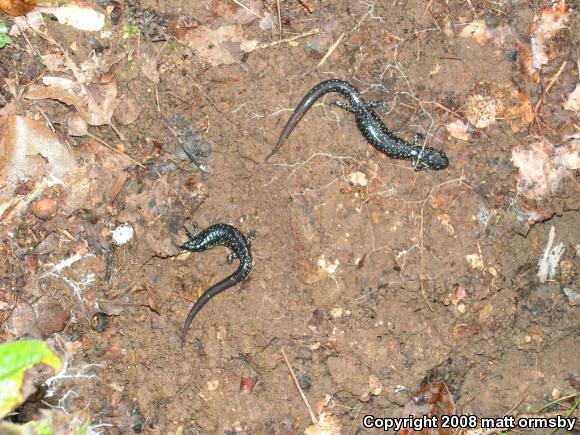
312	416
552	81
279	21
102	142
330	51
240	4
293	38
308	7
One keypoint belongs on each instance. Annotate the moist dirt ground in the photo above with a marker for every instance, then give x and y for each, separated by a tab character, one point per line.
372	278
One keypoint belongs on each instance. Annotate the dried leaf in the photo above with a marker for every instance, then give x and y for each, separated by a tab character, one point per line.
541	168
55	62
77	15
127	111
17	7
118	184
459	130
573	101
95	103
247	384
220	46
434	399
29	150
482	33
553	18
237	14
327	424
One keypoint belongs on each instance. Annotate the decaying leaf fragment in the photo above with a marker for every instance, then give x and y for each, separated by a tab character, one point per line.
29	150
95	103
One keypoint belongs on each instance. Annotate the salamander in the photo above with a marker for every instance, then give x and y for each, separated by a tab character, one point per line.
219	235
369	124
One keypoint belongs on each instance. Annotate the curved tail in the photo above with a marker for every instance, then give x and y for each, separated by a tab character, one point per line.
340	86
215	289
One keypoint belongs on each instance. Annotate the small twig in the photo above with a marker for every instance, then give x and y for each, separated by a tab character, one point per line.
46	117
157	99
293	38
308	7
330	51
27	40
240	4
312	416
442	107
561	399
102	142
552	81
279	20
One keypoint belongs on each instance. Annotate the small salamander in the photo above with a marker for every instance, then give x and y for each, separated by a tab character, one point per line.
369	124
219	235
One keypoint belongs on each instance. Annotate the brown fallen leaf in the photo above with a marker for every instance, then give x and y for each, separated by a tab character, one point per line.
118	185
247	384
232	12
17	7
327	424
95	103
541	167
552	19
434	399
29	150
460	130
220	46
127	111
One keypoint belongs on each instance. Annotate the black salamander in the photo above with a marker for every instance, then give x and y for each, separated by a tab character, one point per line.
219	235
369	124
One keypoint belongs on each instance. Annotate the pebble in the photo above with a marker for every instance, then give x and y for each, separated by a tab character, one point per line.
303	353
52	318
44	208
304	381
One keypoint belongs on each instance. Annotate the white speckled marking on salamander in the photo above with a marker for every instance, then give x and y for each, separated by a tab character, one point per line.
369	124
219	235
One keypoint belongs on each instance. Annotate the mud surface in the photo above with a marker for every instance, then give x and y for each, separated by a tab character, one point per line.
369	275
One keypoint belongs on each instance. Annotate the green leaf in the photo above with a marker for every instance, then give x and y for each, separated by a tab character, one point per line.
15	359
5	40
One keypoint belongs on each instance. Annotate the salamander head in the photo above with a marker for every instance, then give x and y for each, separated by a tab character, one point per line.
431	159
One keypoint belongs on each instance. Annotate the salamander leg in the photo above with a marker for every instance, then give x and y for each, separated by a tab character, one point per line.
377	104
343	105
191	234
231	257
251	236
418	138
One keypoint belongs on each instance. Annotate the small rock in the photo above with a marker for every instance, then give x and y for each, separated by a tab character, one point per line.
304	381
375	385
127	111
122	234
76	125
52	318
44	208
303	353
336	313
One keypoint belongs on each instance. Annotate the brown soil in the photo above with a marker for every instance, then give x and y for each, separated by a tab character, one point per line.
404	302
